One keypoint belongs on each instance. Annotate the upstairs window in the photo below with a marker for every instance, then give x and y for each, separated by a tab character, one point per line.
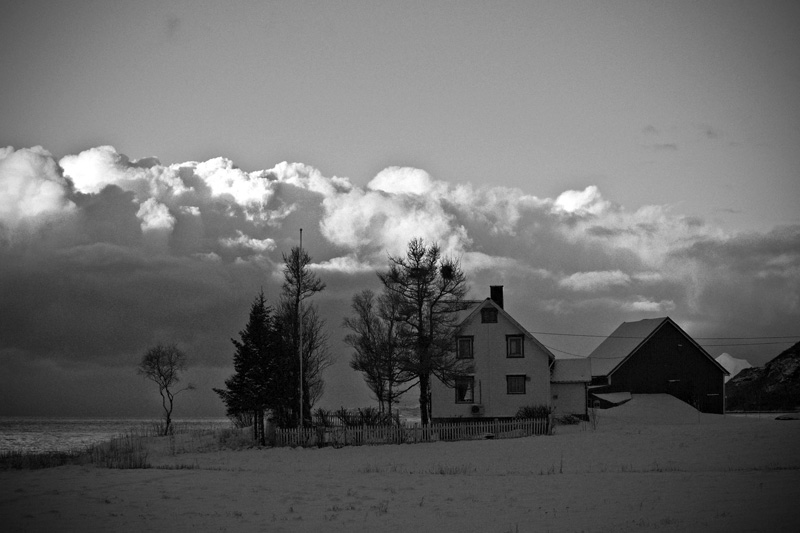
489	315
464	348
516	384
465	390
515	346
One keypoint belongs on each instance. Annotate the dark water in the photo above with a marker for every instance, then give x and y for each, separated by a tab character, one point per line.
42	434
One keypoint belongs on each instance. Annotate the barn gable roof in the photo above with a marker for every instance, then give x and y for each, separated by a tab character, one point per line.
626	340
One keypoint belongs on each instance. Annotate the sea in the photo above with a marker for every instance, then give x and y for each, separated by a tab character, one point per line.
45	434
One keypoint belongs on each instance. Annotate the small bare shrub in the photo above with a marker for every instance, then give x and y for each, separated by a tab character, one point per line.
234	439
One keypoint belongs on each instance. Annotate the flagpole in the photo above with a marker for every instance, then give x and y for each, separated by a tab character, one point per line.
300	323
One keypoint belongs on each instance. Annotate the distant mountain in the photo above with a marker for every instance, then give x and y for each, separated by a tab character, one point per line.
732	365
772	387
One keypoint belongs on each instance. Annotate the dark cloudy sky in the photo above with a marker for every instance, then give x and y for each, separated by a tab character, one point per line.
604	161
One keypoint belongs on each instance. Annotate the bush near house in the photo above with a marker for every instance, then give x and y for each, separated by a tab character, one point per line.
534	411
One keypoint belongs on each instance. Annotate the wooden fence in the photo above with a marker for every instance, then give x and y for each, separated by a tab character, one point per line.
372	435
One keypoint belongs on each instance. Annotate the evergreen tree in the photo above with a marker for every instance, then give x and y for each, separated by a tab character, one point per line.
253	388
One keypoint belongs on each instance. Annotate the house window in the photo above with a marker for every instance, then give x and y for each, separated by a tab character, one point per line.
489	315
464	348
514	346
516	384
465	390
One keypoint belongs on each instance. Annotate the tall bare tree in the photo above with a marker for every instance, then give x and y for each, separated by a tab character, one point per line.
376	338
307	336
162	365
431	290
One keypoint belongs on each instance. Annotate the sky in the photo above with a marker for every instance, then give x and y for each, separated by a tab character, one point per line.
604	162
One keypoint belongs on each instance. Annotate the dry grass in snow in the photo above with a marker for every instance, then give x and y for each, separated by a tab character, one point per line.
653	464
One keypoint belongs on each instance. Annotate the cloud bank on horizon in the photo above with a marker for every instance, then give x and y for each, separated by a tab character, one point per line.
102	255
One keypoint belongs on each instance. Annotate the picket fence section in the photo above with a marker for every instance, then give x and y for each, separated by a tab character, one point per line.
373	435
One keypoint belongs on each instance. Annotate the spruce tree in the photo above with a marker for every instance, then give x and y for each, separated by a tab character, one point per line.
252	388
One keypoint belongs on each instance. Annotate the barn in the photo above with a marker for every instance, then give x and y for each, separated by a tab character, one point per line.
655	356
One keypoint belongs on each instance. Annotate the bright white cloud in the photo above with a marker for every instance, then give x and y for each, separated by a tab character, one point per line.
226	180
155	216
588	201
94	169
404	180
346	265
643	305
309	178
593	281
382	222
244	241
31	187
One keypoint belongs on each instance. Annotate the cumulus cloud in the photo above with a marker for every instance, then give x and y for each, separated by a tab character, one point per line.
587	201
155	216
403	180
577	262
32	188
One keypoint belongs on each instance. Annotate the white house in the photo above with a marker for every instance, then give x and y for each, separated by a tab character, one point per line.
511	367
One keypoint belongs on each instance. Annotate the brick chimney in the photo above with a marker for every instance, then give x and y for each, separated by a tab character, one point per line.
496	294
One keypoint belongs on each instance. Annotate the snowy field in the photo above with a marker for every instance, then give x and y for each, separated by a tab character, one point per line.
653	464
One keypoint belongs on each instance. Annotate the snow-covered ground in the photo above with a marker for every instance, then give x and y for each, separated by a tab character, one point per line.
653	463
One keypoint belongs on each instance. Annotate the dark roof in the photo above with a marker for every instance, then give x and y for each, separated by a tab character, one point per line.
626	339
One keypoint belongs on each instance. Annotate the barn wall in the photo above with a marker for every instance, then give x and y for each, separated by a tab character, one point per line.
670	363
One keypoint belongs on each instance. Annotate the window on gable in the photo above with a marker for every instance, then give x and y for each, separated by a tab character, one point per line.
464	348
465	390
515	384
514	346
489	315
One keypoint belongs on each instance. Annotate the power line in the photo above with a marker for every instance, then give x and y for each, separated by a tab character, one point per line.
702	344
562	351
695	338
745	343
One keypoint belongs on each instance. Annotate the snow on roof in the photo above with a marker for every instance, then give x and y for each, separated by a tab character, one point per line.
627	338
624	340
571	371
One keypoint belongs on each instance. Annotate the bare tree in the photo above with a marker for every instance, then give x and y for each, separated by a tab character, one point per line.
161	364
376	338
431	291
306	334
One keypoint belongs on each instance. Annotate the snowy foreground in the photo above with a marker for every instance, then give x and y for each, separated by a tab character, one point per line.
652	464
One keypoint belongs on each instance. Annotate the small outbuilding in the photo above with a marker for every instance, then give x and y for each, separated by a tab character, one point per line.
569	382
656	356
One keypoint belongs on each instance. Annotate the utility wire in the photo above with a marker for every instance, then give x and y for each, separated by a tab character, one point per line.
702	344
695	338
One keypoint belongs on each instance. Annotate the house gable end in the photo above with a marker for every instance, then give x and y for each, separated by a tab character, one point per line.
474	315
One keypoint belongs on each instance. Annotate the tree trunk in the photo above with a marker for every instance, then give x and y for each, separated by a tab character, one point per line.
424	385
